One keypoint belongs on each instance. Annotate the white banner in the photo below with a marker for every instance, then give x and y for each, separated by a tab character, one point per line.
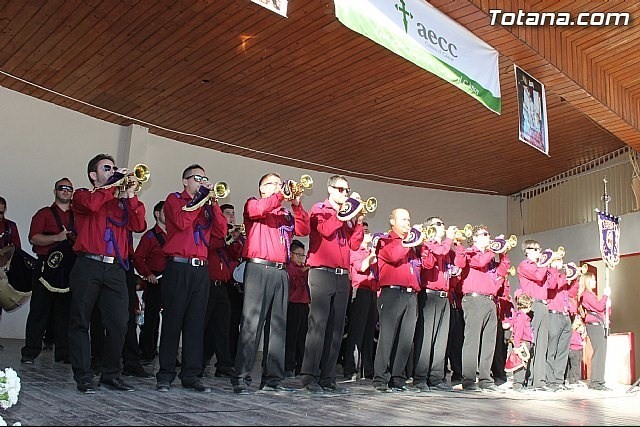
278	6
430	39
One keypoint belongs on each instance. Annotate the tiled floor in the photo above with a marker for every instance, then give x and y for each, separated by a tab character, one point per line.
49	397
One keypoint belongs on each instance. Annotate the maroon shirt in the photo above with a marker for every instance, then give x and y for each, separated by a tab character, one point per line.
92	211
533	279
189	233
9	234
362	280
521	328
591	303
149	257
577	342
397	265
298	284
43	222
558	292
331	240
220	262
270	226
480	272
436	258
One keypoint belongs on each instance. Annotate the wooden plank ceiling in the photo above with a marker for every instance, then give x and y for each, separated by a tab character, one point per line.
320	96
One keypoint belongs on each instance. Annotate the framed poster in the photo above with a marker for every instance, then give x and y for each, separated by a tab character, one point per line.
532	111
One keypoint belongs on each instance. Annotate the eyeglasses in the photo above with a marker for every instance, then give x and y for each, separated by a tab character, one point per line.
342	189
108	168
438	223
65	188
482	233
534	249
276	183
198	178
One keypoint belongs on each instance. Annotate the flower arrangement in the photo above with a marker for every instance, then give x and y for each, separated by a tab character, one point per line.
9	390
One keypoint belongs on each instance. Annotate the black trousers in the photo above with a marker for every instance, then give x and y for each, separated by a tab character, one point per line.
574	366
558	348
297	325
236	299
185	291
398	315
363	316
329	298
480	323
216	326
500	356
599	357
131	351
454	345
266	296
540	324
152	297
45	304
96	284
430	339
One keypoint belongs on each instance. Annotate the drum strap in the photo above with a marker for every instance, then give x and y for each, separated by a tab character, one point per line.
56	215
159	237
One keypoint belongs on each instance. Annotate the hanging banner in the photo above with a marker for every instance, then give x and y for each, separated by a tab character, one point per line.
532	111
609	226
430	39
278	6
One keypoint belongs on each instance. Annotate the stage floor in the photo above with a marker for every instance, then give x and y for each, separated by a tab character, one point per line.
49	397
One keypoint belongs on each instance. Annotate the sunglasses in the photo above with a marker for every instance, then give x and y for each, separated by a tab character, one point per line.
65	188
482	233
534	249
342	189
277	184
198	178
108	168
438	223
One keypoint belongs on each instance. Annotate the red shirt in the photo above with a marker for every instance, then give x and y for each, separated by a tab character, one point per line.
577	342
9	234
43	222
533	279
149	257
95	213
558	292
270	226
366	279
505	306
331	240
189	233
221	261
397	265
480	271
521	328
298	284
436	258
591	303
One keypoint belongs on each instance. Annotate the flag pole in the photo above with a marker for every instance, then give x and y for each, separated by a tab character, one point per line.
606	199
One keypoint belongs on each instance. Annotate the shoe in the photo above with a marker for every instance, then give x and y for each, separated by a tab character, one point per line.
471	387
350	378
422	388
86	386
314	388
599	387
544	388
441	387
399	388
289	374
117	384
138	372
197	386
202	374
27	360
163	387
241	389
276	389
225	372
491	387
334	389
383	389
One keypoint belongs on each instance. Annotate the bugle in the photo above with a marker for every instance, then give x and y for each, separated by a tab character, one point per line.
292	189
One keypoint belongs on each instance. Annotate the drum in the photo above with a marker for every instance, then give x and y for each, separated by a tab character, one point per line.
16	274
57	267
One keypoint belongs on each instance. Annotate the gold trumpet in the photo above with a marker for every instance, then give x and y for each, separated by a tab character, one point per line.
512	270
221	189
501	246
240	228
429	232
371	204
140	172
559	253
292	189
463	234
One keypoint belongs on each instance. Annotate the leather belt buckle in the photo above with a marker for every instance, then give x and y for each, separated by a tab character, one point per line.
278	265
443	294
341	271
196	262
217	282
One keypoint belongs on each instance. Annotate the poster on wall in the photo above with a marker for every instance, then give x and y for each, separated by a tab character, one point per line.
532	111
277	6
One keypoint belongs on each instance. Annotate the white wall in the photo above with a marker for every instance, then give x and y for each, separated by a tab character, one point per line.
41	142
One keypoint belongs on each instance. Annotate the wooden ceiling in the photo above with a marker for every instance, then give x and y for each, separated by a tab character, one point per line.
320	96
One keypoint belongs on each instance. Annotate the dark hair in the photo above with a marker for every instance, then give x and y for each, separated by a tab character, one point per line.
427	222
55	185
158	207
335	178
295	244
365	224
93	164
529	243
265	176
226	206
3	201
189	168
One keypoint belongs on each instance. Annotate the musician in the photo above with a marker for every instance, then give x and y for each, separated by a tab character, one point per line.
50	226
297	310
98	275
363	311
269	227
8	229
150	262
505	308
594	320
330	243
399	269
192	224
478	303
432	328
533	282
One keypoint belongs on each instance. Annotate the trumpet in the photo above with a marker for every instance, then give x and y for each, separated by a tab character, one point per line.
429	232
292	189
463	234
370	205
548	256
501	246
237	227
205	195
221	189
512	270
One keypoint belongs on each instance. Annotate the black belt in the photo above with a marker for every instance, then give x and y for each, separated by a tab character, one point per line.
101	258
277	265
400	288
339	271
559	312
543	301
218	283
475	294
594	323
441	294
194	262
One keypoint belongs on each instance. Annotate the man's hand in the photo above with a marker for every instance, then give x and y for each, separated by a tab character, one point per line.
151	278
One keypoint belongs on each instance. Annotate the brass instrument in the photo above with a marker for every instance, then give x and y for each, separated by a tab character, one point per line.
221	190
512	270
292	189
463	234
548	256
429	232
559	254
238	227
204	195
371	204
142	174
500	246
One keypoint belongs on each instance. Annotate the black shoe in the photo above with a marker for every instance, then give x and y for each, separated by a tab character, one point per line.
241	389
334	389
383	389
599	387
163	387
86	386
27	360
276	389
146	362
313	388
441	387
471	387
138	372
399	388
197	386
225	372
422	388
490	387
117	384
